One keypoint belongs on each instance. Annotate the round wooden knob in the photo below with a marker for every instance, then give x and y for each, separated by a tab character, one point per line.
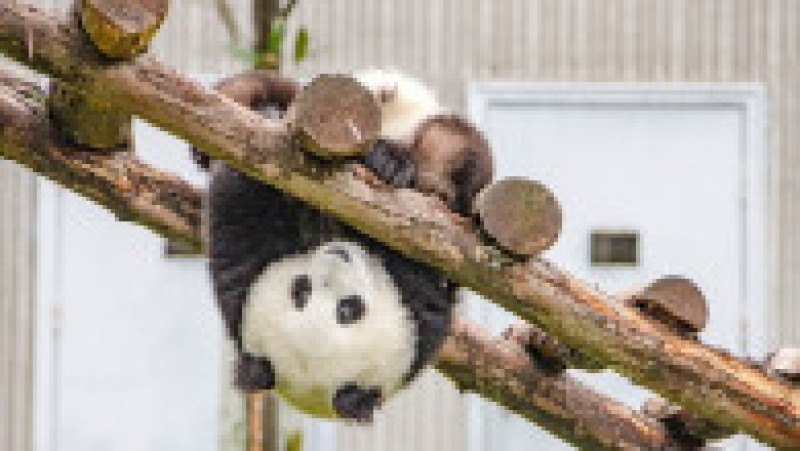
675	301
122	28
785	363
522	216
335	116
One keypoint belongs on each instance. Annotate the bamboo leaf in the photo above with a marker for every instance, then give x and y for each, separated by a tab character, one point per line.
301	45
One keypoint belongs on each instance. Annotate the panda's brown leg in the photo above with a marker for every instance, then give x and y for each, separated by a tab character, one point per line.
254	373
391	162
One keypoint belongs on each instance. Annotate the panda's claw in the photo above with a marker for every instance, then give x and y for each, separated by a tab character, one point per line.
254	373
352	402
391	162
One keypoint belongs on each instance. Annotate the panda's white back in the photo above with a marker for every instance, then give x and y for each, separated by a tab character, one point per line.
405	102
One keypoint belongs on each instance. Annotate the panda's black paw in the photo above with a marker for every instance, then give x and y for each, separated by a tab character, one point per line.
352	402
391	162
254	373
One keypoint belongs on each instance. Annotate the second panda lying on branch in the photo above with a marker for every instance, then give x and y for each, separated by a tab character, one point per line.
332	319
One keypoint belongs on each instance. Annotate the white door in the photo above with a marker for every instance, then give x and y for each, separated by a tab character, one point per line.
679	172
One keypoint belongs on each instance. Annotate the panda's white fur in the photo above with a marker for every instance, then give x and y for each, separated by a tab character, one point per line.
312	354
405	102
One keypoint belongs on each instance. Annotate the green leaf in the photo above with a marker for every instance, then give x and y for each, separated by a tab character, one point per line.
294	442
275	38
301	45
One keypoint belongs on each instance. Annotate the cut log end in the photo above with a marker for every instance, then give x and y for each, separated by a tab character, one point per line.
122	28
674	301
335	116
785	363
522	216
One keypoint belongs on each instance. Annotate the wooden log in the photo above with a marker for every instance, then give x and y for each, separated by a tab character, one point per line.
522	216
130	189
122	28
674	301
335	116
557	401
709	381
137	193
82	118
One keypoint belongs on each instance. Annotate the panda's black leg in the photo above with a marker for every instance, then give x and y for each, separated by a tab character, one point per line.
352	402
254	373
391	162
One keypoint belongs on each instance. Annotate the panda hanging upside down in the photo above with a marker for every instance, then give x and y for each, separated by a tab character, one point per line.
332	319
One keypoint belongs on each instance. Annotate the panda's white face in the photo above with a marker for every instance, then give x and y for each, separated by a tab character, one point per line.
326	318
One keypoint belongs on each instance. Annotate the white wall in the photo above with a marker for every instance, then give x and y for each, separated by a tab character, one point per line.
135	338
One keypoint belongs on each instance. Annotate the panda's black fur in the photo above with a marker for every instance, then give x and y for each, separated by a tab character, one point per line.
252	225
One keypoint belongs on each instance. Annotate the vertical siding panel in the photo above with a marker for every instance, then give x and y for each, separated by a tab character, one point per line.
594	36
777	44
638	61
664	36
791	313
23	357
547	22
678	54
580	40
783	124
6	339
14	327
726	39
17	201
533	33
709	27
518	35
563	16
690	42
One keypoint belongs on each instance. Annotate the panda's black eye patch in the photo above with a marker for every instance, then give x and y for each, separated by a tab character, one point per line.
350	309
301	290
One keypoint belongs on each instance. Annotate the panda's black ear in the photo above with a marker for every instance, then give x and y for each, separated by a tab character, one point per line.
254	373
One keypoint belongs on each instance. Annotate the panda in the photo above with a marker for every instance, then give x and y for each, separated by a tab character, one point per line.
333	320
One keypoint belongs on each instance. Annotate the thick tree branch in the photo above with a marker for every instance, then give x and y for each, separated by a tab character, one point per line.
501	370
498	369
712	383
130	189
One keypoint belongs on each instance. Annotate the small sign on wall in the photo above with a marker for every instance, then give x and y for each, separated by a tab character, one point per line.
614	248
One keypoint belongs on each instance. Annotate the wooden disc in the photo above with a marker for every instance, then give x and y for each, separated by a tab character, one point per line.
786	363
522	216
336	116
680	298
122	28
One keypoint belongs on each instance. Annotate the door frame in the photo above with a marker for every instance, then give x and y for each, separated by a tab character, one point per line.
760	324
